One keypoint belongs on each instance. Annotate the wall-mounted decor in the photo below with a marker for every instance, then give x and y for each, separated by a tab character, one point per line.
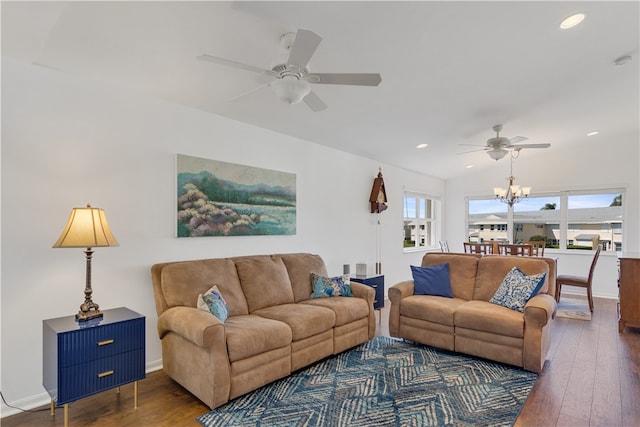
378	197
226	199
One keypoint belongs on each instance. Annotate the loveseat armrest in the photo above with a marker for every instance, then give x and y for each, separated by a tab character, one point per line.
539	310
400	290
197	326
396	293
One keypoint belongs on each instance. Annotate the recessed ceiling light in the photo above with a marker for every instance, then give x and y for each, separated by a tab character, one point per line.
422	145
469	166
572	21
595	132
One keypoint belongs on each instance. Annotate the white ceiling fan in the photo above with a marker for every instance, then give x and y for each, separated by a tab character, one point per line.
291	74
498	146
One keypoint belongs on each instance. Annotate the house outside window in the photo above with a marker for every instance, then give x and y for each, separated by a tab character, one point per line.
421	221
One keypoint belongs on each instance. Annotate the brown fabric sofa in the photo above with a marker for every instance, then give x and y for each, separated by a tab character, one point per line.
273	328
468	323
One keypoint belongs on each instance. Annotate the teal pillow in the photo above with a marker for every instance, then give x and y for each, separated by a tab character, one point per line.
324	287
516	289
213	302
432	281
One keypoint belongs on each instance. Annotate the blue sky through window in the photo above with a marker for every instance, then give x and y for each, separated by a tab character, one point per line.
487	206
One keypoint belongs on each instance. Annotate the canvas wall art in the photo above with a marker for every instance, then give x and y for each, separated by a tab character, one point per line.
227	199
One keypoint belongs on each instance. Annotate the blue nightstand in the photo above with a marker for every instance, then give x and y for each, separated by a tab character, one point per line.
377	283
84	358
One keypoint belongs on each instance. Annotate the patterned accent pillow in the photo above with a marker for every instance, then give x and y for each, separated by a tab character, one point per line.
516	289
213	302
324	287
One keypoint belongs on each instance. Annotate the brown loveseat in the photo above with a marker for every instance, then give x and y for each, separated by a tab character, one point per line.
273	327
468	322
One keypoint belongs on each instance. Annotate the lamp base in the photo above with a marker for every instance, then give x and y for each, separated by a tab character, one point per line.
89	310
83	316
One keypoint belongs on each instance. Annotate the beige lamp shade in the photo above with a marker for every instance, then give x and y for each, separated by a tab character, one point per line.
86	228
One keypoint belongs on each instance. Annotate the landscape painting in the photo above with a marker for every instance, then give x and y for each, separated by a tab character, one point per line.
226	199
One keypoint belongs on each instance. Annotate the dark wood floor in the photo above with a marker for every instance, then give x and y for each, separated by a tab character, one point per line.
592	378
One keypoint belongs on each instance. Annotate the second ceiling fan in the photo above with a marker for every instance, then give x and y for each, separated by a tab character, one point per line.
291	76
498	146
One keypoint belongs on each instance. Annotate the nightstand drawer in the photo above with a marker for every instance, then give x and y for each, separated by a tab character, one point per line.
99	342
98	375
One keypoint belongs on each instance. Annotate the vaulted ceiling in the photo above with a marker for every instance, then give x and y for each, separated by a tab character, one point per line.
450	70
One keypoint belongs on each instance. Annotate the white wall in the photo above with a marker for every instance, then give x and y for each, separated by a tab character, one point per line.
68	141
601	162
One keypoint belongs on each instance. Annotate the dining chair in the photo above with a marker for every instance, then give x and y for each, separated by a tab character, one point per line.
520	250
444	246
582	282
538	247
478	248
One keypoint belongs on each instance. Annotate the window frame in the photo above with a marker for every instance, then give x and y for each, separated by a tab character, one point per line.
435	220
564	221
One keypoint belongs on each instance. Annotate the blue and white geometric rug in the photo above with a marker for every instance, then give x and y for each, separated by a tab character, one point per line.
385	382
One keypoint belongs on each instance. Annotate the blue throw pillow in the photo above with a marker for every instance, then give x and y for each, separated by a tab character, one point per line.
213	302
324	287
516	289
432	280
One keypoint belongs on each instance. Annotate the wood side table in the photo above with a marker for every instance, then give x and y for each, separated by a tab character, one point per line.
629	292
85	358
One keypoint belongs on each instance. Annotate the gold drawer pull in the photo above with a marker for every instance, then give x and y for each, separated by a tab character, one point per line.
105	374
106	342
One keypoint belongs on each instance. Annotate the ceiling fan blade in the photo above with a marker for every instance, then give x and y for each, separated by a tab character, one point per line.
472	151
255	89
314	102
517	139
517	147
475	145
304	46
355	79
234	64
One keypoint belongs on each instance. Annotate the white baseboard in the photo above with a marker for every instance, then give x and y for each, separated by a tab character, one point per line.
42	399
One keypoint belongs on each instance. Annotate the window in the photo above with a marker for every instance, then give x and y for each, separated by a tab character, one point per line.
564	220
421	221
594	219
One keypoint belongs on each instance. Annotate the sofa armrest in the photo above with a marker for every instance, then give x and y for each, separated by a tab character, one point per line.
197	326
363	291
539	310
367	293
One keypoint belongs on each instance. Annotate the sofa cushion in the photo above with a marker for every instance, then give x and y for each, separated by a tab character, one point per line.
325	287
432	280
251	335
430	308
490	318
213	302
303	319
492	270
462	271
299	268
347	310
181	283
516	289
264	280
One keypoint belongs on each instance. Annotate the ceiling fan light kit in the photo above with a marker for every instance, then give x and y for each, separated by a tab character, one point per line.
290	90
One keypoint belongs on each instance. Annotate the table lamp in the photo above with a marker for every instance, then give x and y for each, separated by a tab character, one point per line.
87	228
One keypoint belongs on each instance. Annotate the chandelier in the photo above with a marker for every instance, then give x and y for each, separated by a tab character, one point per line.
513	193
